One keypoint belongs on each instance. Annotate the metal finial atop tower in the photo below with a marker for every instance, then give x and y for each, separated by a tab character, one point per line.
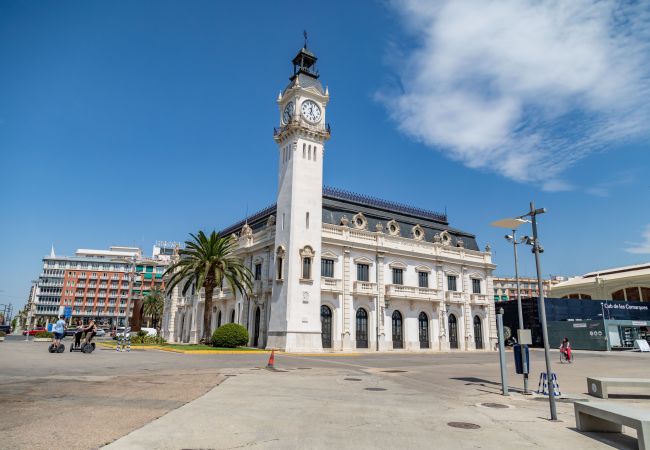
304	33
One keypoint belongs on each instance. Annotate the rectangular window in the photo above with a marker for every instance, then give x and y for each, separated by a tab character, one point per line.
278	263
307	221
476	286
363	272
398	276
306	268
423	279
327	268
451	283
258	272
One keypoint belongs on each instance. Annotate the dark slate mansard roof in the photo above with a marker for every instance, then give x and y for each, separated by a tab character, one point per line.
338	203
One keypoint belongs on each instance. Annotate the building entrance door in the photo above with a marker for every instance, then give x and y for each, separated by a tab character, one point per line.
478	334
256	339
423	327
326	326
453	331
398	339
362	328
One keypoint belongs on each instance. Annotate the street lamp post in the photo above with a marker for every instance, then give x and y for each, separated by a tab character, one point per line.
520	314
537	249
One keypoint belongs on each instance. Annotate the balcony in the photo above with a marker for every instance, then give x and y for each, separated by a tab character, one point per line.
365	288
454	297
331	284
480	299
412	292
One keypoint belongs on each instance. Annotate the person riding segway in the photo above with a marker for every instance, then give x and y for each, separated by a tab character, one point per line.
90	330
58	330
76	341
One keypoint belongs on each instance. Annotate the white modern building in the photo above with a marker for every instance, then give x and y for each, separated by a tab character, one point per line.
339	271
630	283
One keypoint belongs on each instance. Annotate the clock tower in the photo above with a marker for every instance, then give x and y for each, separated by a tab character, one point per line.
294	323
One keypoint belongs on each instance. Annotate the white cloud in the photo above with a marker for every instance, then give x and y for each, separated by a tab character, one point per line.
524	88
641	248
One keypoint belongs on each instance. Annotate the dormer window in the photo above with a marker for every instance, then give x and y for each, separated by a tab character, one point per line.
393	228
359	221
417	232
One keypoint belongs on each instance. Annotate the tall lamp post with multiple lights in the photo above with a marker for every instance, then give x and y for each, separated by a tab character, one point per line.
513	223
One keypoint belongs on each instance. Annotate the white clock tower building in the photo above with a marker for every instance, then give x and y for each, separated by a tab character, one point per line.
294	323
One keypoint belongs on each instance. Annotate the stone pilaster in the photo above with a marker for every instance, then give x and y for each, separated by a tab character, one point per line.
346	304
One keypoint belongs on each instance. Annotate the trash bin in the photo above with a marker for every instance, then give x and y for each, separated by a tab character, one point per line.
519	367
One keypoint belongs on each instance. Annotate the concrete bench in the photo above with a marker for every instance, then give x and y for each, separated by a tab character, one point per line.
610	417
598	387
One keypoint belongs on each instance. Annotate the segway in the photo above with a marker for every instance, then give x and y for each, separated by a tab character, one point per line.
78	346
54	349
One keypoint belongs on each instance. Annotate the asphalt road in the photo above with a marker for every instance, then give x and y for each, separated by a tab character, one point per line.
94	399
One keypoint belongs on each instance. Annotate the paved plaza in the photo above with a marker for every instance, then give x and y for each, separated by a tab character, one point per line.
155	399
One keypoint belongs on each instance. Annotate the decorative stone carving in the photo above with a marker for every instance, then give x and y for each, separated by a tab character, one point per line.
417	232
488	249
437	239
307	252
460	243
246	230
393	228
445	238
379	227
270	221
280	251
359	221
344	220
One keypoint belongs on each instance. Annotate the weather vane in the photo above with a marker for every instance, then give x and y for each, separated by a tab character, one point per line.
304	33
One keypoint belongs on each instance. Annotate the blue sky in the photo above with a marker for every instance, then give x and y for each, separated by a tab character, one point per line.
122	123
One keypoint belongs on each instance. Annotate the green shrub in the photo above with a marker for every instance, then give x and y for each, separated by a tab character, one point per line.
141	334
230	335
44	334
144	339
2	334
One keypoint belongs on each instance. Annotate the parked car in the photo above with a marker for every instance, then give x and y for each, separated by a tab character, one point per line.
100	332
34	331
118	331
6	328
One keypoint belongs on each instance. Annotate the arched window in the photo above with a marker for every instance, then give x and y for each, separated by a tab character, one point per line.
232	316
218	319
478	333
326	326
398	338
423	328
453	331
362	328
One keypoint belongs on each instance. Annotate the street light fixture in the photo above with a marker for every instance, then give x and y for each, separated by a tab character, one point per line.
513	223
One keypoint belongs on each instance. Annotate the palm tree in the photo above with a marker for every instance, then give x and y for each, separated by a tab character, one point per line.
153	305
209	262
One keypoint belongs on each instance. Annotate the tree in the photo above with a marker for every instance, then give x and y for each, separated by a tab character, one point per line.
153	305
209	262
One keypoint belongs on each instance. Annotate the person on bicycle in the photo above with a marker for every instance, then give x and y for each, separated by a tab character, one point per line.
565	347
90	331
59	331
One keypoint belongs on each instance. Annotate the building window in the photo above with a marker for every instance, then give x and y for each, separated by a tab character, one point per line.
306	268
476	286
327	268
451	282
398	276
258	272
363	272
423	279
307	221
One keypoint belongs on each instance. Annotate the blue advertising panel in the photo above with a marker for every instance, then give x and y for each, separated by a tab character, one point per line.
67	312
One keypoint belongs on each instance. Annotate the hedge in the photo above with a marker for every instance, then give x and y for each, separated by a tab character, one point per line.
44	334
230	335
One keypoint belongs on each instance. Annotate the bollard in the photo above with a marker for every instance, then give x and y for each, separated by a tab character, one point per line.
502	354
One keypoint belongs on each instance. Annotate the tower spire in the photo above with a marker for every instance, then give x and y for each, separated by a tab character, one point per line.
304	33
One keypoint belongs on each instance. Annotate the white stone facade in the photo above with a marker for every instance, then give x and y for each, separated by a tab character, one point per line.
385	285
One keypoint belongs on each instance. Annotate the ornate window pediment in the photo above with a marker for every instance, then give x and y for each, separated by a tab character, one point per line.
477	276
246	230
451	272
445	238
363	260
258	260
397	265
307	252
417	232
280	251
329	255
393	228
423	268
359	221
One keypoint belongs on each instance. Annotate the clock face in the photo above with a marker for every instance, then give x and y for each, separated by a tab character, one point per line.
288	113
310	111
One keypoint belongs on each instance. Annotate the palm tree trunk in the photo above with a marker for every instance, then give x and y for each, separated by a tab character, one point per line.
207	313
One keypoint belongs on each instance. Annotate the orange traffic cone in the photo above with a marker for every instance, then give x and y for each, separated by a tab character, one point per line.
271	364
